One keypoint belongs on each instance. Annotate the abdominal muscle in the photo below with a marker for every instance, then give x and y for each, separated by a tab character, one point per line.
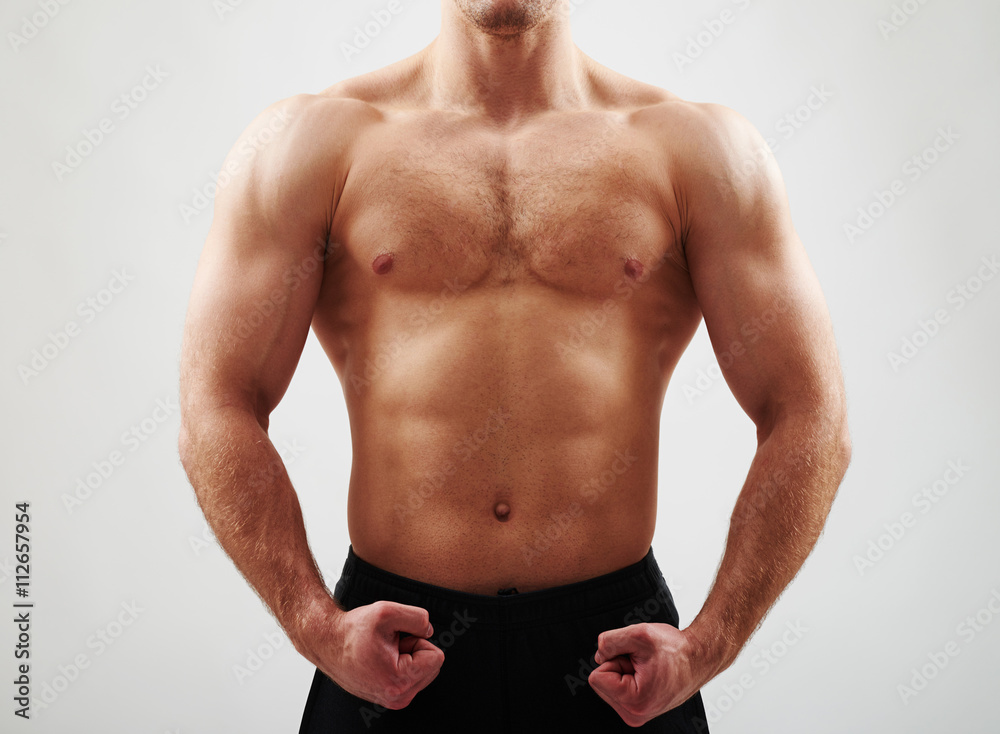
487	456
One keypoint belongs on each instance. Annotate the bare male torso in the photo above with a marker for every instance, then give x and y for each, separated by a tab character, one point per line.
504	248
504	306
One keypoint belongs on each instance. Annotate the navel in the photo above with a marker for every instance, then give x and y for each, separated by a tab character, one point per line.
502	511
633	268
383	263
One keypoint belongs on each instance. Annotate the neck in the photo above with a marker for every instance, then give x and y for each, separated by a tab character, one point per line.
506	77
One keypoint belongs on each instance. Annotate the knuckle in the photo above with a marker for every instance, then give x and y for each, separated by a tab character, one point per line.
408	677
398	700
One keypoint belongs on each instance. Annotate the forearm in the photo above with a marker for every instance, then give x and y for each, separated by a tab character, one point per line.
248	500
777	520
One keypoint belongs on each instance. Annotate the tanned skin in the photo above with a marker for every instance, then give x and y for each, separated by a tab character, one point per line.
452	227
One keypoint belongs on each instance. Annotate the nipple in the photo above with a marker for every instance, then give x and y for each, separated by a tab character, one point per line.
633	268
502	511
382	264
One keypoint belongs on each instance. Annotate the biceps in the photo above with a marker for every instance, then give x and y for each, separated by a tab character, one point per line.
769	324
249	317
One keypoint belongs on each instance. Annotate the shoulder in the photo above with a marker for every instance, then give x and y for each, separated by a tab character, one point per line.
305	126
694	138
300	146
714	157
704	136
720	177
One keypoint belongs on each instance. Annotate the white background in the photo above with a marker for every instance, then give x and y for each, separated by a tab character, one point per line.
138	537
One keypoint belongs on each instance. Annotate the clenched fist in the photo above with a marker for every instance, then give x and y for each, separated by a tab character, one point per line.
363	651
647	669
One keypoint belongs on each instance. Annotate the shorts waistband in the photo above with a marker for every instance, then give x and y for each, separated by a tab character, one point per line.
632	584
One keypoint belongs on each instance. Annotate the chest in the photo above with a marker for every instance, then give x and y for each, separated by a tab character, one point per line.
568	206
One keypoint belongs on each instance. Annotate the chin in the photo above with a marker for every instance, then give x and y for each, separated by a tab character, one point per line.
506	17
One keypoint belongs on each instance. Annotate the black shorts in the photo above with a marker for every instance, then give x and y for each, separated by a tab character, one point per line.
513	662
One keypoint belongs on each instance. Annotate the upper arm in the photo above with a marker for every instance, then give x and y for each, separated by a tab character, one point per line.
260	271
762	303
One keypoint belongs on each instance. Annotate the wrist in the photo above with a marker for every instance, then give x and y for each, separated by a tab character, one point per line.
711	649
315	622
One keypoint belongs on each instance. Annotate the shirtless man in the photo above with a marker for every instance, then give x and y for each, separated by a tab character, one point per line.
504	248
